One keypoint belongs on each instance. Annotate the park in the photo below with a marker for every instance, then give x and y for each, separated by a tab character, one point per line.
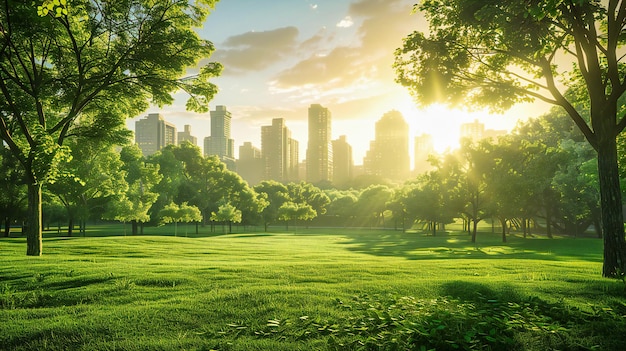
309	289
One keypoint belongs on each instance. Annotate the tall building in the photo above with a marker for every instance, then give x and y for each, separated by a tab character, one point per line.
476	131
186	136
153	132
279	152
343	164
220	143
319	153
250	164
423	148
388	156
473	131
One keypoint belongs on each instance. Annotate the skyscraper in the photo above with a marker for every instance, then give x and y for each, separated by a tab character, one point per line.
152	133
473	131
220	143
279	152
186	136
343	163
388	155
319	153
423	149
250	163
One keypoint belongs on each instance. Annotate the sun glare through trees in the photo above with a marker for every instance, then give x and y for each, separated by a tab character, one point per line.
316	175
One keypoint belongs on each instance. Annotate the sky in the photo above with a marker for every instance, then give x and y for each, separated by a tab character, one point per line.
281	56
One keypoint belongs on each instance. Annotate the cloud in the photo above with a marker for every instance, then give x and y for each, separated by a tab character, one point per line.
380	26
253	51
346	22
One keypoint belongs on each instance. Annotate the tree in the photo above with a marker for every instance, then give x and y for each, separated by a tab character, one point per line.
372	202
141	177
276	195
95	59
296	211
227	213
93	174
174	213
499	53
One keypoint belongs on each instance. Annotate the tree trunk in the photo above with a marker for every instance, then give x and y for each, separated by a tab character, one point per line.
34	242
434	225
474	228
503	224
549	221
134	227
7	227
611	205
70	226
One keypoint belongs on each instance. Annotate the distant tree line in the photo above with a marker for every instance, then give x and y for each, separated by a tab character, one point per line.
543	174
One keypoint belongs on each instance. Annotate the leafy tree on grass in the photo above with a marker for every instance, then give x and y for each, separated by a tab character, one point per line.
498	53
227	213
295	211
133	205
372	203
94	174
99	59
184	213
276	195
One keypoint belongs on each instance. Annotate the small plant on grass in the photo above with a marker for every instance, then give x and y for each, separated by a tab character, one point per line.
8	298
124	284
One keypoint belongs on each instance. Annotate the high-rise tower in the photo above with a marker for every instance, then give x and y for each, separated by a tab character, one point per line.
388	155
279	152
319	153
343	164
186	136
153	132
220	143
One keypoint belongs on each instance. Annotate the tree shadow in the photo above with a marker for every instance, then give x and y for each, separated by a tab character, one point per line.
418	246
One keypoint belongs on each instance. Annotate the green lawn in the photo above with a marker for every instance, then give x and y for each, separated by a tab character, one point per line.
330	289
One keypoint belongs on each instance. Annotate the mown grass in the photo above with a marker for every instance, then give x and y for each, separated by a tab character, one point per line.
330	289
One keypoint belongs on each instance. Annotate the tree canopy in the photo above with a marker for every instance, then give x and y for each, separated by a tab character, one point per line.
98	60
498	53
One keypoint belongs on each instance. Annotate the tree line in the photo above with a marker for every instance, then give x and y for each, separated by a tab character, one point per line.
543	174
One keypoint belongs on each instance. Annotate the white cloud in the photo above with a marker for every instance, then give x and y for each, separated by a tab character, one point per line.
346	22
313	6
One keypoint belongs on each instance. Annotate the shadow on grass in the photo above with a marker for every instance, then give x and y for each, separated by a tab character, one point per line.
417	246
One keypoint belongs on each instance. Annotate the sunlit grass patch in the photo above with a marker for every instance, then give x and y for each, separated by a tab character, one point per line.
282	291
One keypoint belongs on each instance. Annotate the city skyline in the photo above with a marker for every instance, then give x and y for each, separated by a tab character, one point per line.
283	56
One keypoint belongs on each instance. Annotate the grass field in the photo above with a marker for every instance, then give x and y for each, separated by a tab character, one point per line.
319	289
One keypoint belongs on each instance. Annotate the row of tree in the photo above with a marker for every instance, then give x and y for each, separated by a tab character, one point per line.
543	173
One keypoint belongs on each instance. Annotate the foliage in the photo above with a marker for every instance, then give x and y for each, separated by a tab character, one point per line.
81	68
296	211
142	178
227	213
496	54
276	194
173	213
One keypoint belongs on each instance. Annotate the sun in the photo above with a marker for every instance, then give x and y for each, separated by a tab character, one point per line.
439	121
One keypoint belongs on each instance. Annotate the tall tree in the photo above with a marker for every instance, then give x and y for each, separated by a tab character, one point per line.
498	53
98	58
141	177
276	194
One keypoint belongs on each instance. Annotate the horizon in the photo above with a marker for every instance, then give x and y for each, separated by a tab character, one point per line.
281	57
